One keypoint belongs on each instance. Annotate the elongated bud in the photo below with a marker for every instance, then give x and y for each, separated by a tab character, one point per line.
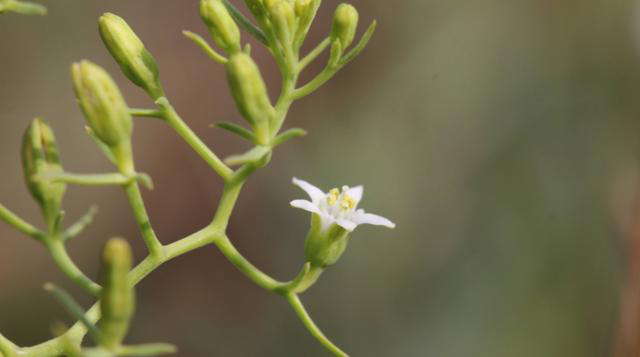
223	28
127	49
250	92
40	155
305	11
283	19
324	247
345	23
117	302
104	108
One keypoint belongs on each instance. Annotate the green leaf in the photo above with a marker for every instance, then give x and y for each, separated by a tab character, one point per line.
361	44
288	135
254	155
246	23
204	45
238	130
74	309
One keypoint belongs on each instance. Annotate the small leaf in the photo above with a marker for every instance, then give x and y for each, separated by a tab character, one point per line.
246	23
237	129
151	349
288	135
74	309
204	45
105	149
361	44
254	155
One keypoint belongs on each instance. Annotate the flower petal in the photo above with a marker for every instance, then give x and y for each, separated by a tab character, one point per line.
346	224
314	193
355	193
307	206
360	217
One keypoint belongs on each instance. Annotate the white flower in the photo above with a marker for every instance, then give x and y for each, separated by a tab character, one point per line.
339	207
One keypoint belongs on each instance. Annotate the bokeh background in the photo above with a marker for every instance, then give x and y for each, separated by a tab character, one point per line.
501	136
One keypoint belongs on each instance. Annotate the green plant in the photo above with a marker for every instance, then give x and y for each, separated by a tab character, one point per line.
282	26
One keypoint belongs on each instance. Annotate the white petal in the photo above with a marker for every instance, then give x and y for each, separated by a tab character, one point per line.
360	217
314	193
346	224
306	205
355	193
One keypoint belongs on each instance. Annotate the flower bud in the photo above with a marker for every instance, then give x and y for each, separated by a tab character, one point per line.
222	27
249	92
324	245
104	108
345	23
117	302
127	49
39	155
283	19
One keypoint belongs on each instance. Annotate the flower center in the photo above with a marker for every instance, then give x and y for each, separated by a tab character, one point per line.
341	200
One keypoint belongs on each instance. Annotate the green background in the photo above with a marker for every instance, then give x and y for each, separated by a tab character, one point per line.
500	136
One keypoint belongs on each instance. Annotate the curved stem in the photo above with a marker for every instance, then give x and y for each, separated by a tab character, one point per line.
18	223
142	218
69	268
261	279
302	313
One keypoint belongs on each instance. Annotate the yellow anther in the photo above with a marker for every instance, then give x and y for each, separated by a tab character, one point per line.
333	196
347	202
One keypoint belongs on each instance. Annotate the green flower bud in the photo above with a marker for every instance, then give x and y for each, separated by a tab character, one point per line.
283	19
324	246
40	155
250	93
117	302
105	109
223	28
127	49
345	23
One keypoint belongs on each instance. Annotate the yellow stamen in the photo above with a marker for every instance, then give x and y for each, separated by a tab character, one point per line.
347	202
333	196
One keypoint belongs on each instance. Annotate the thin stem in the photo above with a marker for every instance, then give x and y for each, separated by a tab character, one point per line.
302	313
142	218
315	83
314	54
69	268
111	179
248	269
193	140
18	223
146	113
80	225
204	45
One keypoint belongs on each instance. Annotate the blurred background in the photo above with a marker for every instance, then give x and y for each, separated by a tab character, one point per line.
501	136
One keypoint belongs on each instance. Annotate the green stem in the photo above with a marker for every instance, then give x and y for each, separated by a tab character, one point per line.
248	269
193	140
313	54
142	218
69	268
7	348
112	179
18	223
146	113
302	313
315	83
